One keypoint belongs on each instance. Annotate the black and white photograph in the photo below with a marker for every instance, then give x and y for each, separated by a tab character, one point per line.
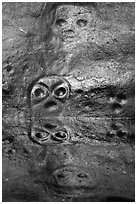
68	101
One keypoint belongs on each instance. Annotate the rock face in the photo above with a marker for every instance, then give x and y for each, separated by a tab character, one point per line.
68	102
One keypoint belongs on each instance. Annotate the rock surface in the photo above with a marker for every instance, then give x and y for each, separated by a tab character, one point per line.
68	102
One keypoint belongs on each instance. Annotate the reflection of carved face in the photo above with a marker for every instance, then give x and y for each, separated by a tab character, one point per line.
74	22
81	131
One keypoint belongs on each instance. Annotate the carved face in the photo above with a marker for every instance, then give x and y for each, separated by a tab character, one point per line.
74	23
81	130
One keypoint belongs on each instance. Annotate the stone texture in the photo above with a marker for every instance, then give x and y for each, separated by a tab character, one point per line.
68	102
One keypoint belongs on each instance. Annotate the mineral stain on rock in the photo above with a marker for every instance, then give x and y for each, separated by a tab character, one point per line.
68	102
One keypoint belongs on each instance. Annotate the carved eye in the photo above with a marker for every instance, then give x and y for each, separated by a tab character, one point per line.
60	92
121	133
39	92
81	22
61	22
59	136
41	136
